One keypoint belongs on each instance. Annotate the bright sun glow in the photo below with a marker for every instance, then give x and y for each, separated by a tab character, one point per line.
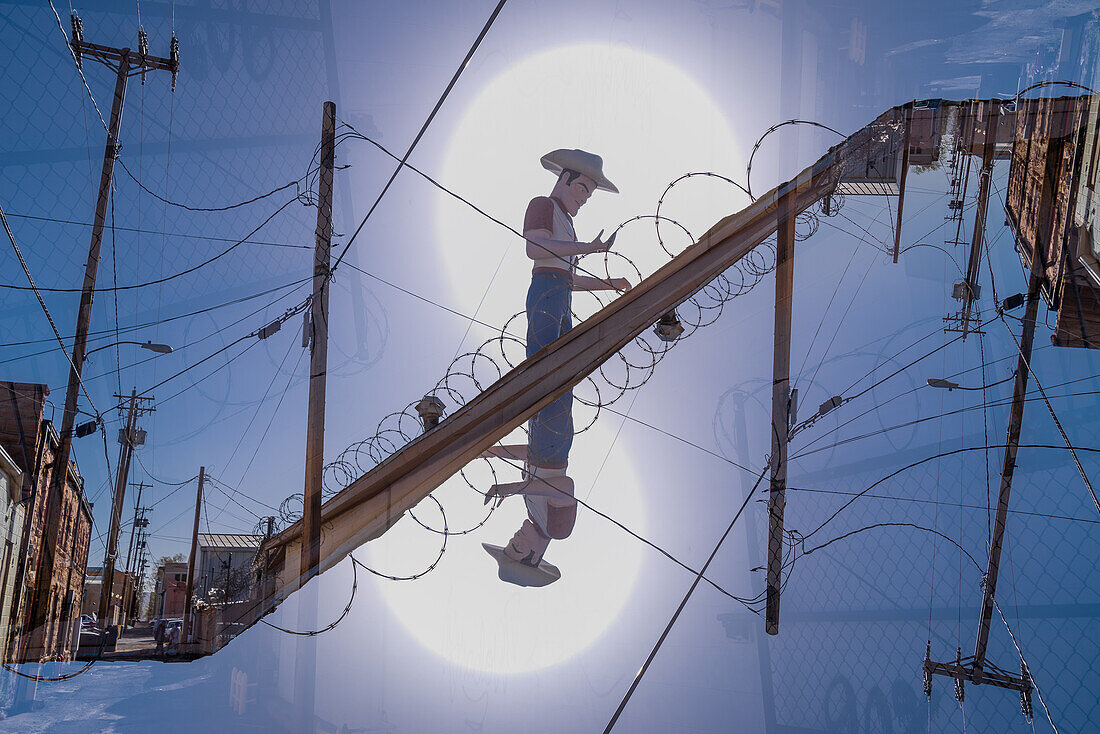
647	119
651	123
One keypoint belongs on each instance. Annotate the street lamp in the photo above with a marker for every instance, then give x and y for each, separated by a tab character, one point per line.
158	348
949	385
87	429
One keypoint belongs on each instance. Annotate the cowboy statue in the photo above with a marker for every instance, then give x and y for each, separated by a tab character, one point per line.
553	246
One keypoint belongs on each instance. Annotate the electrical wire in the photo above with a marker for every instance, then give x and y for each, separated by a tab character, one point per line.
163	233
227	207
46	311
925	460
683	603
568	262
1053	415
423	129
941	503
102	333
166	278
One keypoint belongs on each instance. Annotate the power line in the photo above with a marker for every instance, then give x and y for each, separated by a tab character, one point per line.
940	503
46	311
910	391
180	235
355	133
425	299
423	129
683	603
1058	423
135	327
166	278
635	535
936	417
295	183
925	460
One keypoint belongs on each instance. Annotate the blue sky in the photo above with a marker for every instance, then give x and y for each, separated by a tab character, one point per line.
663	88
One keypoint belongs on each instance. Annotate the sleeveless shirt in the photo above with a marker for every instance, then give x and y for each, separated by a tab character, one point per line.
544	212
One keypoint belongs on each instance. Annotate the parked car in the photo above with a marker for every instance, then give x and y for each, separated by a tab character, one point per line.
87	620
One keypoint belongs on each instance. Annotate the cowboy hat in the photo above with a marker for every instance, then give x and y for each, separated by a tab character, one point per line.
588	164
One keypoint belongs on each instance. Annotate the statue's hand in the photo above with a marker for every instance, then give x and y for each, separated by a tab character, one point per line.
597	245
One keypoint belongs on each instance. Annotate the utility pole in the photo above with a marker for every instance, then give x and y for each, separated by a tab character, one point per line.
970	284
139	570
139	521
306	668
977	669
318	363
135	534
125	63
191	559
129	437
904	175
781	404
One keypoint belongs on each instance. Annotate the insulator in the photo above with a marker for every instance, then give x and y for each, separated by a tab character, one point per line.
928	670
960	687
174	56
78	37
143	42
1025	694
430	408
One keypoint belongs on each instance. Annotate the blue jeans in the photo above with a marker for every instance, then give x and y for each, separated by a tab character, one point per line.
548	317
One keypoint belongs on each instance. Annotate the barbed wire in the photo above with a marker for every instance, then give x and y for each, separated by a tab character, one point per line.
470	373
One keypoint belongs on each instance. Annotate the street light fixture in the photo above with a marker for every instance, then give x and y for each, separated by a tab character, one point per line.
941	383
158	348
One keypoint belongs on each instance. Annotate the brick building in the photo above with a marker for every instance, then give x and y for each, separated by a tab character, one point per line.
45	618
170	593
11	535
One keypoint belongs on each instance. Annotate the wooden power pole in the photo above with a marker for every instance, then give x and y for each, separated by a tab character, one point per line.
318	345
139	523
903	176
125	64
191	558
970	284
781	406
310	561
125	438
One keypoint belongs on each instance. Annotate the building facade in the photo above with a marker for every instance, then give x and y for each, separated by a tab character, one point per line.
170	592
223	569
121	594
11	533
47	610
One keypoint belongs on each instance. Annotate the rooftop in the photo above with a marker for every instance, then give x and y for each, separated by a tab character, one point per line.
230	541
